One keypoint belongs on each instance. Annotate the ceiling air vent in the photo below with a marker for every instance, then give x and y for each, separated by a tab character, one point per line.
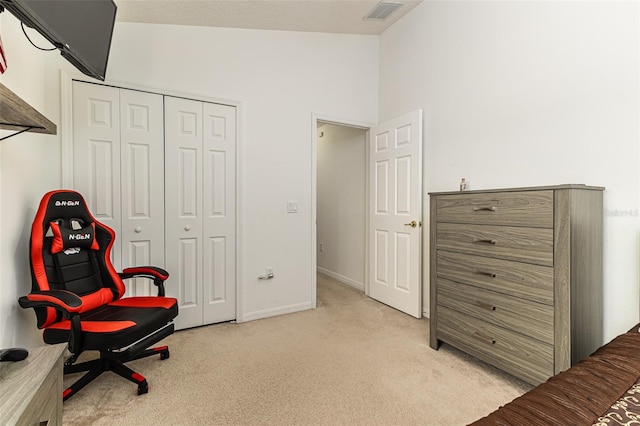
382	11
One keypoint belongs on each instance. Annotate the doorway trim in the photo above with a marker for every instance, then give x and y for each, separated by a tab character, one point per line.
66	137
315	119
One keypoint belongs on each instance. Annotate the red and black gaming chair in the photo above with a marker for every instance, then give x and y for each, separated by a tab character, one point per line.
78	295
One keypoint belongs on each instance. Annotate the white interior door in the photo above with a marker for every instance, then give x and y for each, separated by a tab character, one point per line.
200	158
395	213
161	171
142	185
183	208
118	166
96	154
219	201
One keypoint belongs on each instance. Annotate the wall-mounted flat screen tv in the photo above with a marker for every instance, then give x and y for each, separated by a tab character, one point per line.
80	29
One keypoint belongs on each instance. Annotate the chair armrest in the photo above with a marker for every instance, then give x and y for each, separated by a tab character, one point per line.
158	275
153	271
67	302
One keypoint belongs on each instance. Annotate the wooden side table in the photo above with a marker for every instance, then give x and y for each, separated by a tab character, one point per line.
31	390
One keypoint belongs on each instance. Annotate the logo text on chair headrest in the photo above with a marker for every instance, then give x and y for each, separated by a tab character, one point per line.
79	236
70	203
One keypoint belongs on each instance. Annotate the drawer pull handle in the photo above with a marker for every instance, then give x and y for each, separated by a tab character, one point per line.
484	241
486	274
485	209
484	338
486	306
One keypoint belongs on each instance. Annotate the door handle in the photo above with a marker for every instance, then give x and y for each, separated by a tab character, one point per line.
412	224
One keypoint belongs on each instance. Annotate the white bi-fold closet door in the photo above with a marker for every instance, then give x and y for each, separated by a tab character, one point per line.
163	177
200	208
118	167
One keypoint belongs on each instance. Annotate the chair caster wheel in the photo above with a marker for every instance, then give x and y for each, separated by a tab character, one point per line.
143	388
164	355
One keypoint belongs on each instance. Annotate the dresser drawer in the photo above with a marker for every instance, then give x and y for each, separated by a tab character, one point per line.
531	245
524	357
525	208
531	282
530	319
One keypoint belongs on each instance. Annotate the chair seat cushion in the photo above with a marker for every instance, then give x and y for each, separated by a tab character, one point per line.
123	321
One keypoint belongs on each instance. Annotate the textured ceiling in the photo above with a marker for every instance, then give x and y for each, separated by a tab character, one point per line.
330	16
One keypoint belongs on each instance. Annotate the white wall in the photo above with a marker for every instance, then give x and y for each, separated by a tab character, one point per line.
341	209
513	93
280	79
526	94
29	167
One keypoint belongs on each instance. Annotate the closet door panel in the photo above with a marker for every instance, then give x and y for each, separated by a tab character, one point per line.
138	253
142	166
161	171
96	153
219	183
183	208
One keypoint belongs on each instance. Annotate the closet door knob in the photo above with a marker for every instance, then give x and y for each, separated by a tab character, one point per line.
138	229
187	228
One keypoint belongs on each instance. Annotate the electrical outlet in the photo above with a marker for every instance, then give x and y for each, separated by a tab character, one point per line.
269	274
321	247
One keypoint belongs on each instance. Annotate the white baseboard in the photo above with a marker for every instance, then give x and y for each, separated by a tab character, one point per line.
342	278
266	313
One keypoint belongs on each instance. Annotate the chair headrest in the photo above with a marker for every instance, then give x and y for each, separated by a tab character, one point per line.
73	236
62	205
65	204
64	215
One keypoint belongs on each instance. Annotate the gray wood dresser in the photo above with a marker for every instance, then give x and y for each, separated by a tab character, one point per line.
31	390
516	276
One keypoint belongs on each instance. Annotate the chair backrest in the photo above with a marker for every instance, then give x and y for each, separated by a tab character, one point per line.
70	250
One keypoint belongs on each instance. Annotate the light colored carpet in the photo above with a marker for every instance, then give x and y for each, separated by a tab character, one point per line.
351	361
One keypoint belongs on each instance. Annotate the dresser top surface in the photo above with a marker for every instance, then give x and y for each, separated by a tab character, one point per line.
529	188
21	380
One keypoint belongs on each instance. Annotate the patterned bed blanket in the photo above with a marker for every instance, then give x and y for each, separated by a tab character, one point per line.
625	411
603	389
